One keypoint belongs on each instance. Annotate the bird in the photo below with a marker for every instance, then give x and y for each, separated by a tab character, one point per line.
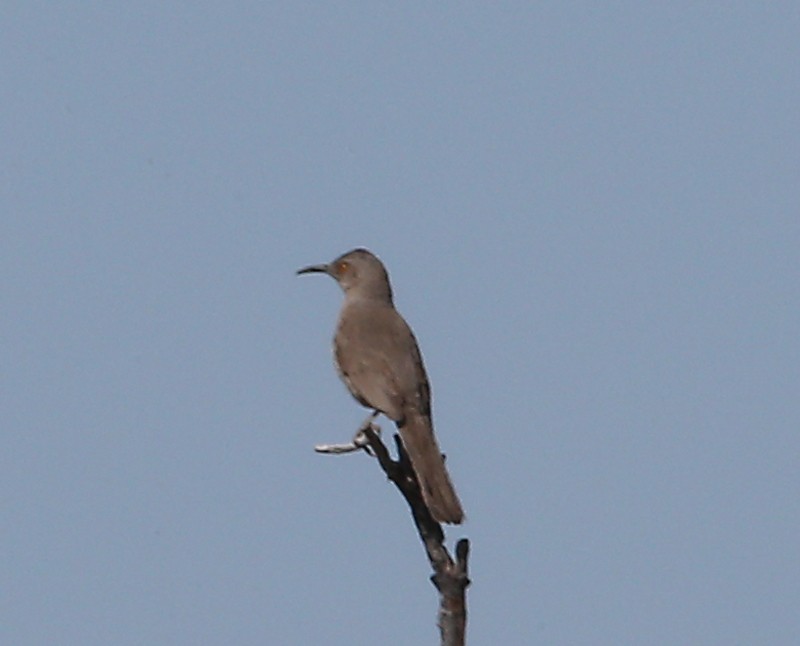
377	357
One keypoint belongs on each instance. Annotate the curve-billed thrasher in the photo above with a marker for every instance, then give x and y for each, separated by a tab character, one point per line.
377	357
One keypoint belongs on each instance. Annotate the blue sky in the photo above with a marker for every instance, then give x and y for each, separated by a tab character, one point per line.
590	216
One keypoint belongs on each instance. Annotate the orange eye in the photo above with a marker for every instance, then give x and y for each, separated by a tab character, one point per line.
343	266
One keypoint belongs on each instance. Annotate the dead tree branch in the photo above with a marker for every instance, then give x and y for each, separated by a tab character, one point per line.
450	577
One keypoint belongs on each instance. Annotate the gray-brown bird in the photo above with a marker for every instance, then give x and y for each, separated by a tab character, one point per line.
379	361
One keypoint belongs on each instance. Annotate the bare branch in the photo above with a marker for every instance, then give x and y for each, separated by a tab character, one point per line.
449	576
358	442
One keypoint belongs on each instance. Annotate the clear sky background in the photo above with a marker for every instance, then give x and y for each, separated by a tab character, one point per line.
591	215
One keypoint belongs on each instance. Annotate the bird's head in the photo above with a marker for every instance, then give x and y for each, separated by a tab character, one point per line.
359	273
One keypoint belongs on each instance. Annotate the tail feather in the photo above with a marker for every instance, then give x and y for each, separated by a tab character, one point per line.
426	458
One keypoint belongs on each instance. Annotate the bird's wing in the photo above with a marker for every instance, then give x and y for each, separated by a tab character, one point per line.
378	359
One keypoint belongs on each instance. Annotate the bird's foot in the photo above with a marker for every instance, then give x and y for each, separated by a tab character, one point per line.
359	441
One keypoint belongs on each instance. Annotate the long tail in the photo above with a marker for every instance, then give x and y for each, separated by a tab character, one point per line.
437	490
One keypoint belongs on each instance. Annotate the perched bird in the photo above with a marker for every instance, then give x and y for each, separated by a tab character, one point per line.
379	361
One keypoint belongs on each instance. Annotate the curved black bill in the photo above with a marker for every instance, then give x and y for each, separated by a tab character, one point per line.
313	269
